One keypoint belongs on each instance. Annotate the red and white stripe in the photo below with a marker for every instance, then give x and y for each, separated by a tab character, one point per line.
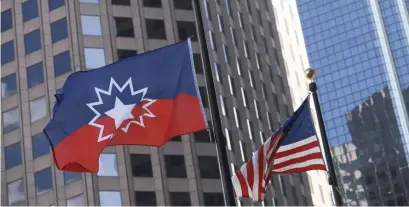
250	181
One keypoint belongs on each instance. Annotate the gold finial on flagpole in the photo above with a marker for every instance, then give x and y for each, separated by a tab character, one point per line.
310	74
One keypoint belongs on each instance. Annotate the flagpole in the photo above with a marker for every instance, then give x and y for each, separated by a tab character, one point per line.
216	129
310	74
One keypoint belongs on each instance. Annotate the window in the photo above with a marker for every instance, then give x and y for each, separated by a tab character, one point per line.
238	65
258	60
237	117
11	120
223	106
213	199
245	47
208	166
240	19
91	25
233	35
7	52
226	54
244	97
207	6
62	63
43	180
123	54
217	71
6	20
180	199
110	198
186	29
282	184
54	4
156	29
183	4
198	63
40	145
8	85
15	191
32	41
12	155
145	198
231	84
121	2
124	27
107	165
152	3
212	39
78	200
202	136
141	165
35	75
250	129
256	107
243	151
94	58
220	19
176	139
203	95
175	166
70	177
30	10
38	109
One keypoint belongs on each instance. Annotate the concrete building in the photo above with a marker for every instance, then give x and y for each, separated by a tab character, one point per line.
44	41
295	62
360	50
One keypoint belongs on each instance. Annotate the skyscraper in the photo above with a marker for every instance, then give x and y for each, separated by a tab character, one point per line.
361	52
44	41
292	47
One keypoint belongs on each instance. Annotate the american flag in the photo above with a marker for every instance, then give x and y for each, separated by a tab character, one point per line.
291	149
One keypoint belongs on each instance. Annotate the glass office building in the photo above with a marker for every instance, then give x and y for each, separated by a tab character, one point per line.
360	49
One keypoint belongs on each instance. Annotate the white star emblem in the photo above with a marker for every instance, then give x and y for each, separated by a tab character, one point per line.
120	112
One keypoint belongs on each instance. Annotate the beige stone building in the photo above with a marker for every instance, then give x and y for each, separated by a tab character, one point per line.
44	41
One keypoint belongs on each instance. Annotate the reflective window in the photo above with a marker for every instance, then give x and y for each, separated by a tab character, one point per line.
226	54
8	85
94	58
30	10
32	41
89	1
183	4
91	25
41	146
121	2
7	52
15	192
155	29
110	198
6	20
13	156
107	165
11	120
70	177
152	3
213	199
145	198
43	180
78	200
59	30
54	4
122	54
141	165
186	29
175	166
180	199
38	109
62	63
35	75
124	27
208	166
220	19
202	136
203	95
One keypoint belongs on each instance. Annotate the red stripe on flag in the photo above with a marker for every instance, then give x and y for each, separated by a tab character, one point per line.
296	150
304	169
312	156
243	184
250	173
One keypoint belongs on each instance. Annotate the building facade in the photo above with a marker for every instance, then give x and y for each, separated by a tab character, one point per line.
44	41
295	62
361	52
